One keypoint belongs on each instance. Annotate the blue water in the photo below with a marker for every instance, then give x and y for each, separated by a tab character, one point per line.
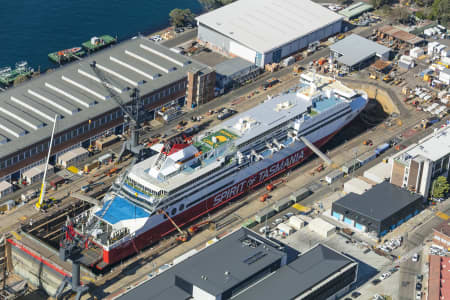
30	29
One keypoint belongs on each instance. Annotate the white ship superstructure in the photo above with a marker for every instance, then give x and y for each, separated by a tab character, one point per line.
188	178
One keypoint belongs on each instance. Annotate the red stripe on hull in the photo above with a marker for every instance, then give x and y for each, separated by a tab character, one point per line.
155	234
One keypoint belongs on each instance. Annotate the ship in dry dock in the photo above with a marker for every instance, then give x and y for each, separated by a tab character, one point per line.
187	178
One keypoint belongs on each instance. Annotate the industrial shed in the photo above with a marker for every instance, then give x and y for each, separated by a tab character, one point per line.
5	188
356	58
355	10
379	210
72	157
322	227
235	72
36	173
265	31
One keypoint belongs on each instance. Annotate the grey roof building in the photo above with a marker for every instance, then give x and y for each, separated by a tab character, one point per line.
355	10
345	52
76	95
244	265
380	209
264	31
234	72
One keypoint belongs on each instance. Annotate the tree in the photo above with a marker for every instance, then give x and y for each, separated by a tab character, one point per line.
181	17
401	14
440	187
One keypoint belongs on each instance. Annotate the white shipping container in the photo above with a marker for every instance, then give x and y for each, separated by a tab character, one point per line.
416	52
333	176
296	222
285	229
105	158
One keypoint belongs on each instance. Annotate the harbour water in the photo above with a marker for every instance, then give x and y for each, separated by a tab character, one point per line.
30	29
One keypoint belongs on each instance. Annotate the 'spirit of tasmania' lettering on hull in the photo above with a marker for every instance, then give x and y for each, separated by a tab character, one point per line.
154	234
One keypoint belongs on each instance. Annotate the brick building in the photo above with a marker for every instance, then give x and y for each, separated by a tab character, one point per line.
85	108
417	166
441	235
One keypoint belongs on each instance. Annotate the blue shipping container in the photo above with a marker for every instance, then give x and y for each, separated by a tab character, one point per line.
380	149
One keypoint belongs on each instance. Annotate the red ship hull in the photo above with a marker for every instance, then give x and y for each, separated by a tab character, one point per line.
155	234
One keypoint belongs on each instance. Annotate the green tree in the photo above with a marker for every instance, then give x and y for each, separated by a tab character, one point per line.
440	187
181	17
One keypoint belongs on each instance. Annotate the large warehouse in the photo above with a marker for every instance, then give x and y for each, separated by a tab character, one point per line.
265	31
246	266
379	210
83	105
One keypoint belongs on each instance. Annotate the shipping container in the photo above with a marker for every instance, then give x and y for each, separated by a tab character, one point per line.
366	157
28	195
105	159
333	176
57	181
105	142
282	204
89	167
264	214
296	222
285	229
382	148
300	194
350	166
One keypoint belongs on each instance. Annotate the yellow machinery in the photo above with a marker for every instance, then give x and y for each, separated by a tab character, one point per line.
373	76
41	204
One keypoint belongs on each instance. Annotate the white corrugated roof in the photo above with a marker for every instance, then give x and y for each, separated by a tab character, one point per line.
263	25
433	147
4	185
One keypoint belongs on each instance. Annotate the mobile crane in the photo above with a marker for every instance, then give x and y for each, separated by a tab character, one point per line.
44	204
132	144
183	237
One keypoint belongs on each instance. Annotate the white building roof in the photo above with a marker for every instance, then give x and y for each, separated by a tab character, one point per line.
36	171
433	147
4	185
73	154
267	24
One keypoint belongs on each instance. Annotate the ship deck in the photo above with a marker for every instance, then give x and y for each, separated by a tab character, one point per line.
118	209
108	41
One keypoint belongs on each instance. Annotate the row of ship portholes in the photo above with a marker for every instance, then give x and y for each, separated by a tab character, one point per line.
174	210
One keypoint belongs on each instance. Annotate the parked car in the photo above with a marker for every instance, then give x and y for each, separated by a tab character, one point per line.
277	221
264	229
415	257
356	294
418	286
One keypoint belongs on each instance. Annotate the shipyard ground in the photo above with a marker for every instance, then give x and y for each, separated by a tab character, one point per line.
341	149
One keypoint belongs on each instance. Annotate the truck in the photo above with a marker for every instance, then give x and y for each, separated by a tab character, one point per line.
225	114
89	167
382	148
428	122
28	195
57	181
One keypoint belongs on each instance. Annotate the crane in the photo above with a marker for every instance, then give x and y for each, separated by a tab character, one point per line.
41	203
71	248
133	115
183	237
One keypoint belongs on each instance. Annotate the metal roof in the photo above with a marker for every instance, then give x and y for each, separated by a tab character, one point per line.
76	95
233	66
401	35
433	147
355	10
352	55
380	202
215	269
296	278
267	24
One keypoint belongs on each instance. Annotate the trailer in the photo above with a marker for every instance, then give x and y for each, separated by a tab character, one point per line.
350	166
57	181
300	194
282	204
264	214
366	157
333	176
382	148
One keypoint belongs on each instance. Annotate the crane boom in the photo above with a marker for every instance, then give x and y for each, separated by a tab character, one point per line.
113	94
173	222
42	194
